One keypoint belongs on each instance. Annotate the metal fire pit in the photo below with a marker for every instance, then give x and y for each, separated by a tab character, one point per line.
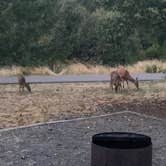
121	149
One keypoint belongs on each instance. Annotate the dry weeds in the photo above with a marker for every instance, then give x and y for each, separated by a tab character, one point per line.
139	67
16	70
78	68
63	101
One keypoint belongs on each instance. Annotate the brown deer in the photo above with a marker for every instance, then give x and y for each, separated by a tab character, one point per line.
125	76
115	81
22	83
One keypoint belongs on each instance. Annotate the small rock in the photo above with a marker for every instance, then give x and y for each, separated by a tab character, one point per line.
50	129
23	157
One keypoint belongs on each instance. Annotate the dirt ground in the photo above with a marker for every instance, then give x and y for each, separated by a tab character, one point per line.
49	102
69	142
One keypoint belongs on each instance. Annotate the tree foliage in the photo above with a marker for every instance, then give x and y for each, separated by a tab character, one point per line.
41	32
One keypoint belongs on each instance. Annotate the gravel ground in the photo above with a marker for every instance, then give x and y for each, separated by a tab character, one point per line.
68	143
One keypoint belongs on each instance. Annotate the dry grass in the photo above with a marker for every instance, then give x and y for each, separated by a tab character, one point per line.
62	101
40	71
78	68
16	70
139	67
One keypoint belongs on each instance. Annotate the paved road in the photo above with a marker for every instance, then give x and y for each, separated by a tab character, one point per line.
78	78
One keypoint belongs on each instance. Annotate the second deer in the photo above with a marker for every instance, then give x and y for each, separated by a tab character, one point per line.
125	76
115	81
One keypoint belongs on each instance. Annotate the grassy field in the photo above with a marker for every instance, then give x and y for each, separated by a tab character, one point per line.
64	101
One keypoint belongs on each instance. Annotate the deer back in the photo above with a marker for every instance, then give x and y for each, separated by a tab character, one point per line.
115	77
124	74
21	80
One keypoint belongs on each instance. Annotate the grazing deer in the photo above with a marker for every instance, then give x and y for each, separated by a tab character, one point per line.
22	83
125	76
115	81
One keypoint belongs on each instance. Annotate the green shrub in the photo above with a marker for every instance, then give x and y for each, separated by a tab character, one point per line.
58	67
151	69
25	71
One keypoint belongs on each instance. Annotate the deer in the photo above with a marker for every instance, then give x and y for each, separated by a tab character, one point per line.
22	83
115	80
125	76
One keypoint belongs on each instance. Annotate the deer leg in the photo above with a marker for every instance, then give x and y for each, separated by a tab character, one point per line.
123	84
116	88
127	84
111	85
120	88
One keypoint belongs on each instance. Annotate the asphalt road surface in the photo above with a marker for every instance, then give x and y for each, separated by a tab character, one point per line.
78	78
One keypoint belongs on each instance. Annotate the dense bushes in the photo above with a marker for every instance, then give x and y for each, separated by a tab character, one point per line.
42	32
